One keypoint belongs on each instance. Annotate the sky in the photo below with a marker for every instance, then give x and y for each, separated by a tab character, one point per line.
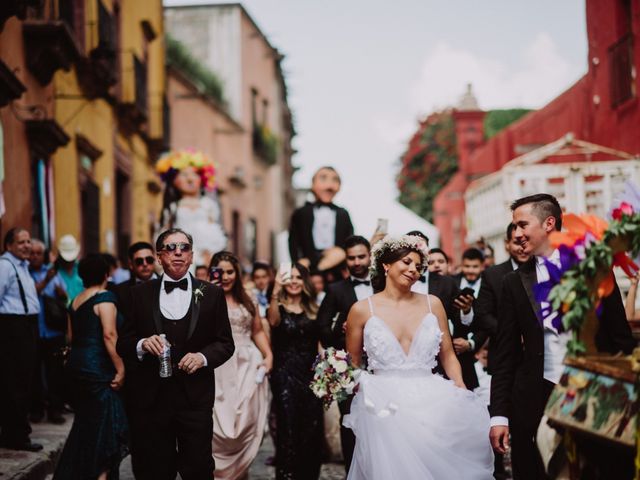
361	73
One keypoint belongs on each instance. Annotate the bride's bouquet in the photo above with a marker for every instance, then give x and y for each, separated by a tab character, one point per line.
334	378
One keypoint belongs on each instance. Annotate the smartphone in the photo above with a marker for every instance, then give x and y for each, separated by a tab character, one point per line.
215	275
467	291
382	226
285	271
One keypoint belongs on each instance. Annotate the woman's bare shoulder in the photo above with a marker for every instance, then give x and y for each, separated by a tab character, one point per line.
360	310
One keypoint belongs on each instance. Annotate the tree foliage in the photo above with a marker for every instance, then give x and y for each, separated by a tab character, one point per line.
428	164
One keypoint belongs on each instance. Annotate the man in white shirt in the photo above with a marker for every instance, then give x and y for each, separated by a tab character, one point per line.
334	311
528	350
319	229
171	418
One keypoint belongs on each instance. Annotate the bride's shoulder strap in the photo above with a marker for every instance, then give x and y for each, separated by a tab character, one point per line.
370	305
429	302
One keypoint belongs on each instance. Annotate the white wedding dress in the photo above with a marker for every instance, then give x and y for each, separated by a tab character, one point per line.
410	423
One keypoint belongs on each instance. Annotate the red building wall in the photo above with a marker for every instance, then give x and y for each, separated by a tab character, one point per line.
585	109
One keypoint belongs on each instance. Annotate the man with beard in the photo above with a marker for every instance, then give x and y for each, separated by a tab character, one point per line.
318	230
333	313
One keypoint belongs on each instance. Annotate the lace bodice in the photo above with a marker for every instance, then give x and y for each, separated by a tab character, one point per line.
241	322
384	352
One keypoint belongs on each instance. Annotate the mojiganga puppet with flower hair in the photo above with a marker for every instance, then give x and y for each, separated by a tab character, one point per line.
190	201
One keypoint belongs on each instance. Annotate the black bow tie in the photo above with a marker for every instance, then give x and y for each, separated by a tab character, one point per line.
357	282
170	286
318	204
422	278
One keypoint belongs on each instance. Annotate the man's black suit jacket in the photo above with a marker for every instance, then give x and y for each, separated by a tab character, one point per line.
301	243
460	330
485	307
517	383
209	333
334	311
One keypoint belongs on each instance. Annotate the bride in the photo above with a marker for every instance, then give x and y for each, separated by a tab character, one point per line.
410	423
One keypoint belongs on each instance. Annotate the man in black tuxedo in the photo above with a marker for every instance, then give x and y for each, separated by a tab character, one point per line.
177	410
528	351
486	306
141	262
334	311
317	228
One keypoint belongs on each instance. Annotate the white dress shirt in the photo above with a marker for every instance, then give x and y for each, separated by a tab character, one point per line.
363	291
324	227
173	306
555	343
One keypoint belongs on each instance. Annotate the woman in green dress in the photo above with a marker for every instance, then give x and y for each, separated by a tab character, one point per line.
98	440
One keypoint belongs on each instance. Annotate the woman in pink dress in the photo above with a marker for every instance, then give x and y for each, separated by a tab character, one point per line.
242	397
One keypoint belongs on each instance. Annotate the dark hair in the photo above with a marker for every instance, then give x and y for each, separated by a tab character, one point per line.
136	247
198	267
354	240
440	251
110	259
544	206
171	231
308	300
10	236
379	280
510	229
93	269
473	254
326	168
260	266
238	292
418	233
486	247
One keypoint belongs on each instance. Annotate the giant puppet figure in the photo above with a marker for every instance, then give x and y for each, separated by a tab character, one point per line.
318	230
190	202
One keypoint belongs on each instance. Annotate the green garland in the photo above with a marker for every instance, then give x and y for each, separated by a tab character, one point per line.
576	294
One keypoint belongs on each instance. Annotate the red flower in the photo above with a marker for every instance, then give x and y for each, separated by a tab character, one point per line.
624	209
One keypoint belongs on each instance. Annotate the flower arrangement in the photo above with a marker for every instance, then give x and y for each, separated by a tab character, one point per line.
334	378
198	293
171	163
589	249
390	243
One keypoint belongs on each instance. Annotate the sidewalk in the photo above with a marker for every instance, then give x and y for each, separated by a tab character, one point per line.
19	465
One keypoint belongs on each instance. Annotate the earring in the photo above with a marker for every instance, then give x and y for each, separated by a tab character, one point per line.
386	272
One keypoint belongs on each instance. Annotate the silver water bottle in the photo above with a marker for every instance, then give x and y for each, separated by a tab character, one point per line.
166	370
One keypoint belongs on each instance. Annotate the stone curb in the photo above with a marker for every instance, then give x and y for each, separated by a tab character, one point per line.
21	465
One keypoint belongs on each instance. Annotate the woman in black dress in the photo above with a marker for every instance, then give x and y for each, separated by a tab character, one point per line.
98	439
295	336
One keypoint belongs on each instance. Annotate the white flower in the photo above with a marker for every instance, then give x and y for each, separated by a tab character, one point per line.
341	366
390	243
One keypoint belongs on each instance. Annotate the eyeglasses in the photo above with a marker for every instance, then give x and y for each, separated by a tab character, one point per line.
142	260
172	247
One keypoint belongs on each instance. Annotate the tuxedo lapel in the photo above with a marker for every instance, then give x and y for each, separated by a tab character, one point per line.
351	293
527	273
195	305
155	305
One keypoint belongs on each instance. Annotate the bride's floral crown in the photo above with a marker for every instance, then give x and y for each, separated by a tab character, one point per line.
390	243
171	163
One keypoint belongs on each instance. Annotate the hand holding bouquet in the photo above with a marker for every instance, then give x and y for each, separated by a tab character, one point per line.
334	377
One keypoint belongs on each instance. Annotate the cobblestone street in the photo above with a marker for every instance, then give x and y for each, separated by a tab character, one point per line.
259	471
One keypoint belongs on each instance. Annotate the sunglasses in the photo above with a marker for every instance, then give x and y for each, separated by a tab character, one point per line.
142	260
172	247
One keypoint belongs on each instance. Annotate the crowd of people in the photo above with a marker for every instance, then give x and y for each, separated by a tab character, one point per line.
88	336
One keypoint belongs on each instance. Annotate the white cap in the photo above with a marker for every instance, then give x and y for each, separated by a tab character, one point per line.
68	248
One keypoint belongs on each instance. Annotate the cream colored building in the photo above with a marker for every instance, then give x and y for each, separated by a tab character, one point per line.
247	132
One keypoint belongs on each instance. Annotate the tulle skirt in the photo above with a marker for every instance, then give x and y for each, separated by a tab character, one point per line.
416	425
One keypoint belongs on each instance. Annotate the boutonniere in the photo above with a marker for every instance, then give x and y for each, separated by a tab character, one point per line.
198	293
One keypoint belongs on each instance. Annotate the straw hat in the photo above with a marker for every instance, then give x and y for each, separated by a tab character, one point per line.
68	248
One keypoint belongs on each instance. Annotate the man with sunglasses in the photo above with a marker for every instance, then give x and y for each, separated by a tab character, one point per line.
176	411
141	263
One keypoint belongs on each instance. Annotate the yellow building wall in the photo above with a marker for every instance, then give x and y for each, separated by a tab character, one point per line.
98	122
